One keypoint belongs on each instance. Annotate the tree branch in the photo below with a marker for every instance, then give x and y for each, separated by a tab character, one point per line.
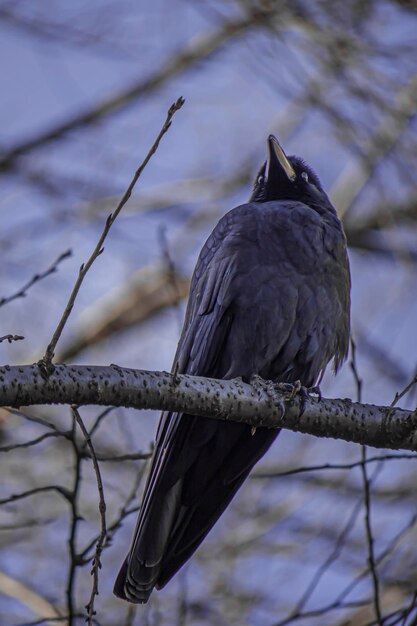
260	404
203	48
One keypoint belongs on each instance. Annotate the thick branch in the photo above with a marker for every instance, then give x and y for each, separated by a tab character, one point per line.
257	405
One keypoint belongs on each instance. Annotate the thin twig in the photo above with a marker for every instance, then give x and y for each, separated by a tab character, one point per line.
400	394
74	559
31	492
22	292
101	417
33	442
96	563
354	369
332	466
134	456
370	539
34	418
403	392
11	338
333	606
367	497
49	354
124	512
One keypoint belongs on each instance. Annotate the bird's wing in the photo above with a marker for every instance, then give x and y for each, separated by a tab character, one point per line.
177	445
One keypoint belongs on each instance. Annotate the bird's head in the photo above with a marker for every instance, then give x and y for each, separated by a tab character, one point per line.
287	178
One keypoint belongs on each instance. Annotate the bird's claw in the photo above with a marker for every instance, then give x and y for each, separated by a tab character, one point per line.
296	388
314	391
305	394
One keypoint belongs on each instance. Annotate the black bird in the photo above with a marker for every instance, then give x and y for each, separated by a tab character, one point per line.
270	296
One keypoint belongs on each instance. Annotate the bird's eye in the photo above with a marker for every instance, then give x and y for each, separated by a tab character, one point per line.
260	180
304	176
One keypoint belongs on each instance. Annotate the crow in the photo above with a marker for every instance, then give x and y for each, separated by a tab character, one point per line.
269	297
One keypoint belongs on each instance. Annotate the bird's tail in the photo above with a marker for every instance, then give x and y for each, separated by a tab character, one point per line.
141	568
133	591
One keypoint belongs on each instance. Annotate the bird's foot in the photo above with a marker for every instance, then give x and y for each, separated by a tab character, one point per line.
261	386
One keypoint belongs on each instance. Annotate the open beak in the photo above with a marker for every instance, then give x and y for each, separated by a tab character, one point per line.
278	161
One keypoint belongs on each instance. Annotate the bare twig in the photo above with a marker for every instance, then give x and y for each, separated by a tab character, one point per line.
354	369
32	442
32	492
333	606
100	417
382	361
133	456
22	292
74	560
370	539
36	419
49	354
96	564
124	512
403	392
11	338
333	466
367	496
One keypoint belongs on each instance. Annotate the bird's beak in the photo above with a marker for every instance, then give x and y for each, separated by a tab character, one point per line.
278	161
